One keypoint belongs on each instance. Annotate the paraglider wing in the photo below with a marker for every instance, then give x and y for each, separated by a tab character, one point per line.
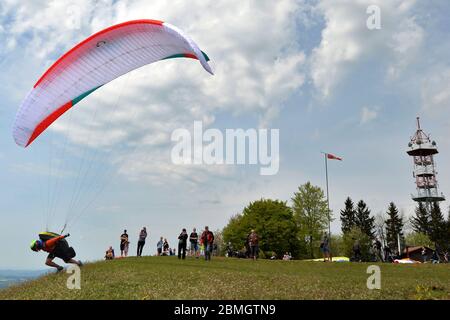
94	62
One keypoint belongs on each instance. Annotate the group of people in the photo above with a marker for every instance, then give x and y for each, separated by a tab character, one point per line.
377	250
378	253
287	256
57	247
206	241
163	248
125	245
199	245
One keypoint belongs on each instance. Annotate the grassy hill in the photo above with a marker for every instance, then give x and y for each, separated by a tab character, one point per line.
222	278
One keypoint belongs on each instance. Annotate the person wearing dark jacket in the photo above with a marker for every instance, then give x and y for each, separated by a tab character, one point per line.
388	254
182	243
378	246
124	244
357	251
193	238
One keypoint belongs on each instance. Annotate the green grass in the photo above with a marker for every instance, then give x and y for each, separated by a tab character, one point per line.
170	278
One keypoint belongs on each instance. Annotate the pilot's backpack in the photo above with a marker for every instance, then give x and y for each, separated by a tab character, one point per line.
70	252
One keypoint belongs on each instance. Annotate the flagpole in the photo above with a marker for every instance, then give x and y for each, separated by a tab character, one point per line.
328	203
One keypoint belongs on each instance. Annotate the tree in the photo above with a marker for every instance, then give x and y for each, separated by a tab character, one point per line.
337	245
348	216
272	220
394	227
437	226
365	243
218	241
380	227
234	233
417	239
364	221
447	233
420	222
311	213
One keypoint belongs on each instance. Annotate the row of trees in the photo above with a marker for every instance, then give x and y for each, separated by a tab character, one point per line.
429	228
429	221
295	229
358	224
300	227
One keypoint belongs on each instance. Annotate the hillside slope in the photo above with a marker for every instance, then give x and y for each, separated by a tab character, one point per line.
170	278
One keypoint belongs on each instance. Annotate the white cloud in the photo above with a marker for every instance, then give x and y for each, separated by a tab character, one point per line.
257	67
405	45
346	41
258	64
368	114
436	91
156	167
339	45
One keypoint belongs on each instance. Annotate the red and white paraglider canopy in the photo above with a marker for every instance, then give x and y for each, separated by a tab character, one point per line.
94	62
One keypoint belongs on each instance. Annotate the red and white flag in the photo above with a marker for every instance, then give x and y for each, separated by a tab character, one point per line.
333	157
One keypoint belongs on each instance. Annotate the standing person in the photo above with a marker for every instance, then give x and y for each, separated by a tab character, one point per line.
124	244
387	254
208	241
378	250
230	252
182	243
424	254
325	248
253	241
435	257
357	251
193	239
159	246
141	242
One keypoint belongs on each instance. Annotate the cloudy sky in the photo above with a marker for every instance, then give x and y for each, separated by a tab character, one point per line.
312	69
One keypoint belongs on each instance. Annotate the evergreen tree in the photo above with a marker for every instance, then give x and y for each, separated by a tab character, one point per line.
447	234
394	227
420	222
348	216
438	226
364	221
